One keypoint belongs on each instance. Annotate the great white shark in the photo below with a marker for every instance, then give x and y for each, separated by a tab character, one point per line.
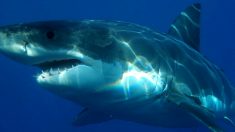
119	70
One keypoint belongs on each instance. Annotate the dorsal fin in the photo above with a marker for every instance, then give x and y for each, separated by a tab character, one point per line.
187	26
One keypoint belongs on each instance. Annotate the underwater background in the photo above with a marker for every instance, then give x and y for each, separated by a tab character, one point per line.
25	107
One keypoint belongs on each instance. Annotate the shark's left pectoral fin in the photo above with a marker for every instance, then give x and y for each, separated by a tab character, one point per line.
197	111
87	117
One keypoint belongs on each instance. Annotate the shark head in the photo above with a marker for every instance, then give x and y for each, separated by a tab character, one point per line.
71	55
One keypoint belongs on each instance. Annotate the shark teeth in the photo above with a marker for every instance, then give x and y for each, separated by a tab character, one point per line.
54	64
57	67
52	72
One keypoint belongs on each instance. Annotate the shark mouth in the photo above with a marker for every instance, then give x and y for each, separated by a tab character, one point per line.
55	67
59	64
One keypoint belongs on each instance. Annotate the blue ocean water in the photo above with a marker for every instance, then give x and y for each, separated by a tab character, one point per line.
25	107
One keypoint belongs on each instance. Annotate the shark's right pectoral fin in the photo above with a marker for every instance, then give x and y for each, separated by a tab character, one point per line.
203	115
87	117
197	111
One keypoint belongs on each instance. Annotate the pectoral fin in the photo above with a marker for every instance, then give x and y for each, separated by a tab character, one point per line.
86	117
199	112
203	115
229	121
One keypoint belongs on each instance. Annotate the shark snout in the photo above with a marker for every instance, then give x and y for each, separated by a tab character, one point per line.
11	48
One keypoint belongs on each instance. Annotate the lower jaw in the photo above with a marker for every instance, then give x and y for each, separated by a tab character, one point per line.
53	77
70	77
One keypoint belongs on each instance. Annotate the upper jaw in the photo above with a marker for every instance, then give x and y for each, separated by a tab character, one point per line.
58	64
55	67
55	63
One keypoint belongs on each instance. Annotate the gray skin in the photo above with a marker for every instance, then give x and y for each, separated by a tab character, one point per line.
119	70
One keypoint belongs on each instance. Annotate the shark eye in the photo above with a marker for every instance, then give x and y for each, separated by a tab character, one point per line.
50	34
